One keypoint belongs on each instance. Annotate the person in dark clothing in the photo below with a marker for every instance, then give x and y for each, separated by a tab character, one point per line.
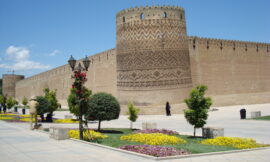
168	109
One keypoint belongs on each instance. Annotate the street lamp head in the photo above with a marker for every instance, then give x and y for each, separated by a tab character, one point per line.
72	62
86	63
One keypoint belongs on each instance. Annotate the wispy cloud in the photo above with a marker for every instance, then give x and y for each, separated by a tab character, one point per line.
55	52
20	60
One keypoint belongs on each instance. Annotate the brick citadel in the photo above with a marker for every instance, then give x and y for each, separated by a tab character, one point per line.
156	61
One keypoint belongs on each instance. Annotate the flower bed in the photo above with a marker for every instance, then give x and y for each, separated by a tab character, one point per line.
16	118
153	139
65	121
164	131
88	135
157	151
241	143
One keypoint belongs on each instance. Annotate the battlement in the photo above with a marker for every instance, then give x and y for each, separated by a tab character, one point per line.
150	12
222	43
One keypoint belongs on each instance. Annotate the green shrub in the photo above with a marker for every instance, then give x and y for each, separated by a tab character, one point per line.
103	106
42	106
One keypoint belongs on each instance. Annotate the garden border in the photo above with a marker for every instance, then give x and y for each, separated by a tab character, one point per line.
168	157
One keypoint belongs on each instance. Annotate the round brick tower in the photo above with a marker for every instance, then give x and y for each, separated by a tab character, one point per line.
152	55
9	84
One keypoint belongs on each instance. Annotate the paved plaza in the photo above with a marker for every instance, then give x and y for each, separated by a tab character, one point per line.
18	143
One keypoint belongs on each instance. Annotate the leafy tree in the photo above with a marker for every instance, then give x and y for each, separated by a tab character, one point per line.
74	102
103	106
51	97
133	113
43	106
198	106
1	102
1	86
10	102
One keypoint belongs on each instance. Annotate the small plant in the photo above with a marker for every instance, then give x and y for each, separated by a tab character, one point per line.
133	113
198	106
24	102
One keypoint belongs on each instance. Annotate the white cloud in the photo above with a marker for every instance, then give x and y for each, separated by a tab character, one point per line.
29	65
20	60
18	53
55	52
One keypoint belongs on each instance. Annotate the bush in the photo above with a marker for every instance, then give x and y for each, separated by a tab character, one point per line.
43	106
51	97
103	106
198	106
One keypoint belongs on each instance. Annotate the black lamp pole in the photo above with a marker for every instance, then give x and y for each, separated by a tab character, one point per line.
86	63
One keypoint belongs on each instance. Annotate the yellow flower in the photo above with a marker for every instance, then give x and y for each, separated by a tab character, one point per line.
88	135
241	143
65	121
153	138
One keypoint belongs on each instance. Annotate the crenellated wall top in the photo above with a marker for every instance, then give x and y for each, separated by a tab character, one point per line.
207	42
150	12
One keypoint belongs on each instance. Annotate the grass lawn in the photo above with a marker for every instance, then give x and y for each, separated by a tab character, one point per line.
262	118
192	144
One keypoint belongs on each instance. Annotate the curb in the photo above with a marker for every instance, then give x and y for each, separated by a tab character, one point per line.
168	157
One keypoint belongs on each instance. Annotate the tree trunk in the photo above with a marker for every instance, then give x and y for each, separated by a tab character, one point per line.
194	133
99	122
131	125
42	117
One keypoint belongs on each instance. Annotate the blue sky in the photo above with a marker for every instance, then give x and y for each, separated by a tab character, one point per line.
38	35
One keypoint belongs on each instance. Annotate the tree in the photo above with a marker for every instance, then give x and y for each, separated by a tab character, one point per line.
1	102
198	106
24	101
10	102
43	106
51	97
73	101
133	113
103	106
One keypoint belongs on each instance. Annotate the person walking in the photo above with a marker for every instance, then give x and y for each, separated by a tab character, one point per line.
168	109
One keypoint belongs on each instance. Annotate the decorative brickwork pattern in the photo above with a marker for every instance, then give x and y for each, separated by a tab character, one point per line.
152	53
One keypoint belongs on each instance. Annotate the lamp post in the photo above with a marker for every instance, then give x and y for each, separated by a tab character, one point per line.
80	79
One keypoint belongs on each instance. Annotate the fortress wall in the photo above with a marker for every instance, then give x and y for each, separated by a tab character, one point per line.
101	77
235	72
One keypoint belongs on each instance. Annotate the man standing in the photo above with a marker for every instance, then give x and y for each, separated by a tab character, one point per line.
33	112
